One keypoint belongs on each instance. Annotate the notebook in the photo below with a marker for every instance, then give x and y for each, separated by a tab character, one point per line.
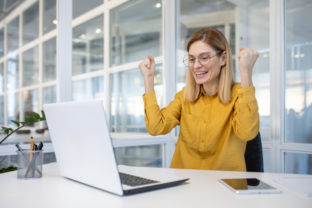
84	150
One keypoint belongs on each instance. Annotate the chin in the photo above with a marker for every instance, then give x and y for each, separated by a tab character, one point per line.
201	81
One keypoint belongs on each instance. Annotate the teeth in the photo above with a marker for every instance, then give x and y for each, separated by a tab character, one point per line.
200	73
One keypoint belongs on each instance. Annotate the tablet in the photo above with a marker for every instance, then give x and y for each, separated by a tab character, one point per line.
255	186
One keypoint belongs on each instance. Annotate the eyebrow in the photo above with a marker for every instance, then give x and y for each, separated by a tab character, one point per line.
208	53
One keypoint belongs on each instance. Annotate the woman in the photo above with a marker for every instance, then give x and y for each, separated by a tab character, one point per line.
216	116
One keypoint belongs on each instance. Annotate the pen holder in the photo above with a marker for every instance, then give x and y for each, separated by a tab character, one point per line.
29	164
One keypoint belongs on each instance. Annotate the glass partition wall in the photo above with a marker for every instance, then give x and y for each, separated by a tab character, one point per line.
27	72
244	24
110	38
298	87
132	37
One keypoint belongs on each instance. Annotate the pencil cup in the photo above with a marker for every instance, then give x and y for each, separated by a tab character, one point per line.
29	164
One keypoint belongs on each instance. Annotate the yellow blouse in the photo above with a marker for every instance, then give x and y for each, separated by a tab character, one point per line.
212	135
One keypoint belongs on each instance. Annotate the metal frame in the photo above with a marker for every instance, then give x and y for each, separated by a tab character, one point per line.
64	50
277	90
169	63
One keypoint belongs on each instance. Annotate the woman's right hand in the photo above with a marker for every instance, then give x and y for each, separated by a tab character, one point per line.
147	67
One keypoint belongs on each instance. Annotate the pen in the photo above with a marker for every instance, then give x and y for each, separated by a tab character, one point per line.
31	147
19	148
31	143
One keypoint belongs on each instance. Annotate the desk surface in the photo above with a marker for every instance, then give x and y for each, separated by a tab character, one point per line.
202	190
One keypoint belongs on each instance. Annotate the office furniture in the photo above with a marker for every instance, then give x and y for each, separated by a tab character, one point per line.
254	155
202	190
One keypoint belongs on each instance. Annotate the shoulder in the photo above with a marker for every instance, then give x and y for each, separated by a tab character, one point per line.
181	92
235	87
180	95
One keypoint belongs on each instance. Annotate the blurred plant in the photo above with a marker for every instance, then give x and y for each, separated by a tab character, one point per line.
20	124
8	169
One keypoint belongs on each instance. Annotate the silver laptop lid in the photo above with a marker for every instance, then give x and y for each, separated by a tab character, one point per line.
83	149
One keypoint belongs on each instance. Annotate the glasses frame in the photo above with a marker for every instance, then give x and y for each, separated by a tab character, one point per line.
186	61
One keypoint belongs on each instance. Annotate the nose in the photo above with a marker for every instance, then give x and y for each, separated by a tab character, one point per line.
197	64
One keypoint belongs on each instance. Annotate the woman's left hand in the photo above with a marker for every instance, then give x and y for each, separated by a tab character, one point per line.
246	60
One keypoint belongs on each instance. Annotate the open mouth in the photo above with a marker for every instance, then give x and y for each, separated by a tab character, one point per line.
200	74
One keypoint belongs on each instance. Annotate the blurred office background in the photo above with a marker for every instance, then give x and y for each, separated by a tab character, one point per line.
110	38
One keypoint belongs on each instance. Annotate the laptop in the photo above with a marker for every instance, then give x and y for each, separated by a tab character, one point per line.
84	151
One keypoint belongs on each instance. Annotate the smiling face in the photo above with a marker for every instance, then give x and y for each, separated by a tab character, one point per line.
205	63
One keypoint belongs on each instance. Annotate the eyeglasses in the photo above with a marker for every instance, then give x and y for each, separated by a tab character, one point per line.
203	59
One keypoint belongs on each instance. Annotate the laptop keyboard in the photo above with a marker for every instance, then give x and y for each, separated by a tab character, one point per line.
132	180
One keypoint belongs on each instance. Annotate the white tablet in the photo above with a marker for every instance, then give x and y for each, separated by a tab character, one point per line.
256	186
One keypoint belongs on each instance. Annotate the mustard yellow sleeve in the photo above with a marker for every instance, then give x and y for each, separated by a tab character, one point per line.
245	120
161	121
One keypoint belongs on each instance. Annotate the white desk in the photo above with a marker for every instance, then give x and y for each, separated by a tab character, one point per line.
202	190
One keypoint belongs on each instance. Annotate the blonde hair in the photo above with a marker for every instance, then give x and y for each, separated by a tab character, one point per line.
218	42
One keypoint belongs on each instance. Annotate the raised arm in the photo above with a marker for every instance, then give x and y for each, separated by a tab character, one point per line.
245	119
158	121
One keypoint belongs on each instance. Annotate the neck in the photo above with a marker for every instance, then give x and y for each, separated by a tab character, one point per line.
211	87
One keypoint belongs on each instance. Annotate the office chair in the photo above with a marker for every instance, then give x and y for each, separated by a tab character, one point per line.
254	158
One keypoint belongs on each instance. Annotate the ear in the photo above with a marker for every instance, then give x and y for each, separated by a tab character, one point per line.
223	58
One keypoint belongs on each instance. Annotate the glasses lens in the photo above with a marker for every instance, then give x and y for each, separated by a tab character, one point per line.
204	59
186	61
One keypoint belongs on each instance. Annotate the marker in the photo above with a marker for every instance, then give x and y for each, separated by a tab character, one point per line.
40	146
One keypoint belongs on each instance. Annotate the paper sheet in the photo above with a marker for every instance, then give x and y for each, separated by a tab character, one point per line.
302	185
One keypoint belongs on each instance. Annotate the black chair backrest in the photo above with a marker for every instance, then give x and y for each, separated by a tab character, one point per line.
254	157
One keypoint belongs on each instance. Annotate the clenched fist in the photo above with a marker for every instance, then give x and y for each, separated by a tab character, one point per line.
246	60
147	67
